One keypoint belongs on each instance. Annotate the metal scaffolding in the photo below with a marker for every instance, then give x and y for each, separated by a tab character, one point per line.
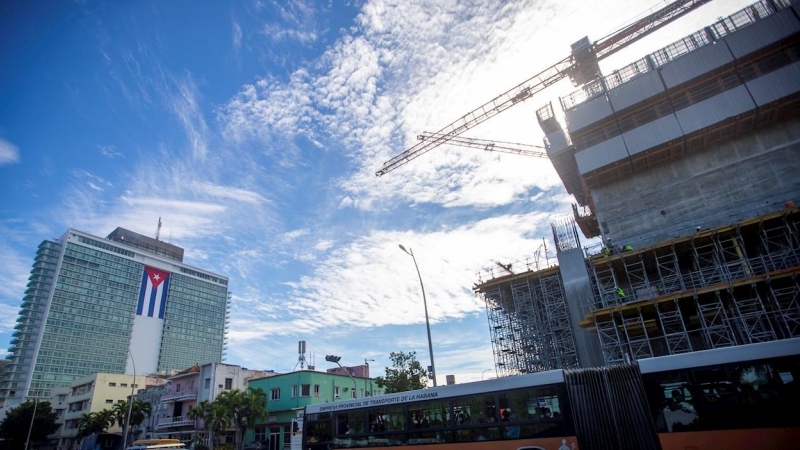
529	323
726	286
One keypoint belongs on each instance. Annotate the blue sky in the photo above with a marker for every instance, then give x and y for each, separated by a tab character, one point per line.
254	129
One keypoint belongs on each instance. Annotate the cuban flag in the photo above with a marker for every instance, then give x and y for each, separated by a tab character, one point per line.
153	293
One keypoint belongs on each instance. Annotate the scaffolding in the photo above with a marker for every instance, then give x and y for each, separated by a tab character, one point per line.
529	323
727	286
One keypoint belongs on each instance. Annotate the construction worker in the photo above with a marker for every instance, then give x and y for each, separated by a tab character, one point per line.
620	292
627	248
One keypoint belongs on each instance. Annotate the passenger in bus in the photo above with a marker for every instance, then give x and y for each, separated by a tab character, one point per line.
678	413
511	432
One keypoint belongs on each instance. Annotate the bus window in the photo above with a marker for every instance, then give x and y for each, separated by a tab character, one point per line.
431	414
528	404
747	395
672	401
318	429
386	419
478	409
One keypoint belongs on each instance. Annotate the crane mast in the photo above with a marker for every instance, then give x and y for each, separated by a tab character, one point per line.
490	146
580	66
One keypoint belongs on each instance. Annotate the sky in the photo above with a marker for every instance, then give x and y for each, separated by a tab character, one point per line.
254	129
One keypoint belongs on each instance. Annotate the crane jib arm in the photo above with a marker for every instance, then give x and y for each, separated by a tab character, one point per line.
631	33
527	89
553	74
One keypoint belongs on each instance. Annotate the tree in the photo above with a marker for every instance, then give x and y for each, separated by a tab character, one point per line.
140	410
95	422
245	409
14	427
406	375
255	408
198	413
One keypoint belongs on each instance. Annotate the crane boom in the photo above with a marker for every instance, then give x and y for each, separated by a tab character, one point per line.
490	146
604	47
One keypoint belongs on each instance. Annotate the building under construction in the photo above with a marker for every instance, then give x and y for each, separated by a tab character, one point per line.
686	164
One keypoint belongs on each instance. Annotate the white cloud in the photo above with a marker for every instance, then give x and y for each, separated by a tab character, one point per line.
236	35
9	153
110	151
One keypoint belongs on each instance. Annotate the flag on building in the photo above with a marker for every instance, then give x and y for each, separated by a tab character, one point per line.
153	293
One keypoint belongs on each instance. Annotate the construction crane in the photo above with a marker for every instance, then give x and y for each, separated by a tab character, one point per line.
581	66
490	146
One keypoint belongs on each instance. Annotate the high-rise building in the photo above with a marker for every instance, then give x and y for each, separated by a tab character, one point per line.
684	164
126	304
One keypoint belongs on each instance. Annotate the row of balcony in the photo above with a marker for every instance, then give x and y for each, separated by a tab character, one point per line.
176	421
183	394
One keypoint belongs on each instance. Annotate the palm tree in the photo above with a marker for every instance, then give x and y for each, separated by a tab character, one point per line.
120	410
246	408
234	403
255	408
198	412
96	422
220	417
140	410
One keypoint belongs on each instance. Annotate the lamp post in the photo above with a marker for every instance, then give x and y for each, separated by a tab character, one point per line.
335	359
482	373
425	303
366	363
30	428
130	404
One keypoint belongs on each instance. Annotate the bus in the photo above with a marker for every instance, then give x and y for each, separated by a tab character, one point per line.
735	397
157	444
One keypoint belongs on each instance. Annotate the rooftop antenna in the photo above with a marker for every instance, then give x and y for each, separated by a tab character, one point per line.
158	230
301	350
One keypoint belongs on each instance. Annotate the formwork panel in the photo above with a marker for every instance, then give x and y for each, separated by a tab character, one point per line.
763	33
601	155
775	85
635	91
587	113
557	142
715	109
694	64
652	134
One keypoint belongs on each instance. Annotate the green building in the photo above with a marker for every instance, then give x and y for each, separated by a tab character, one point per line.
289	393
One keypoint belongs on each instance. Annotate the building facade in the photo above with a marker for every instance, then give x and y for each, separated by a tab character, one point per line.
122	304
172	402
289	393
91	394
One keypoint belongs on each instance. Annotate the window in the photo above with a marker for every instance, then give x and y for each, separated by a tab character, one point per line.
316	390
178	387
261	434
336	392
294	391
305	390
207	384
112	384
228	383
275	394
123	384
109	401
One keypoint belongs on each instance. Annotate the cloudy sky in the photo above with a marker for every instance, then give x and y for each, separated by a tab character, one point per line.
254	130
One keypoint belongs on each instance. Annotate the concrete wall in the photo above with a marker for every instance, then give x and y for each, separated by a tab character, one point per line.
579	293
735	180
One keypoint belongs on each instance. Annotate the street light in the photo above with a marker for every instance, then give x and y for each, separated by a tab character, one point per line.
425	303
482	373
335	359
35	403
130	404
366	363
